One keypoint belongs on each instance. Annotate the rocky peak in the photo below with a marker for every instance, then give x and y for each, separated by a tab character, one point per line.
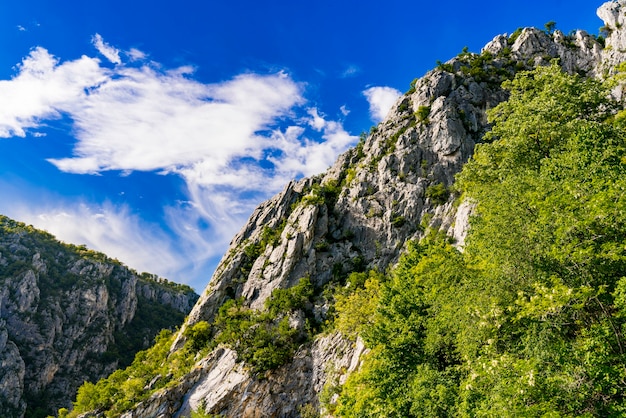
613	14
391	188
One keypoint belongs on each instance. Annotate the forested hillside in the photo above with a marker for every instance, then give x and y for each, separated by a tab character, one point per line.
529	319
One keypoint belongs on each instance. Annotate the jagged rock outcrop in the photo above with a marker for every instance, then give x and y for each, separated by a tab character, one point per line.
359	215
614	17
68	315
12	378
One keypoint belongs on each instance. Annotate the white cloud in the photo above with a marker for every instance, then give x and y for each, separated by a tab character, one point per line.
109	52
317	122
136	55
43	89
381	99
350	71
312	157
113	230
146	120
234	143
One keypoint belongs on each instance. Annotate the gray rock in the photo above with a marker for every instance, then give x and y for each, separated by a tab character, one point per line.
383	203
12	370
61	314
614	53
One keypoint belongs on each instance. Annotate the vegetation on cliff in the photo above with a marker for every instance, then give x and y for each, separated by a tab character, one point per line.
529	319
526	319
73	315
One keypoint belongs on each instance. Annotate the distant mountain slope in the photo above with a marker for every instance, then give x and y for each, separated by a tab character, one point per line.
68	314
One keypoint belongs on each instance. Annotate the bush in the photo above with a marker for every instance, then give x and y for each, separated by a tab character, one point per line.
398	221
321	194
404	105
411	89
422	114
283	301
199	335
514	36
438	193
264	340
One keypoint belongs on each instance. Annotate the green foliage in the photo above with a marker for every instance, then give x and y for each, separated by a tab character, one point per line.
148	320
322	246
163	282
411	89
513	37
404	105
199	413
484	68
444	66
308	411
396	330
550	26
323	194
264	340
126	387
398	221
350	175
356	305
359	154
529	320
422	114
198	335
438	193
288	300
605	31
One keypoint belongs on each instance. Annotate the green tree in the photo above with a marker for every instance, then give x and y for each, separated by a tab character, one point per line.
529	320
550	26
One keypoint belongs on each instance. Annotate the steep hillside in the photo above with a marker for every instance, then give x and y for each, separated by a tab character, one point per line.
69	315
261	338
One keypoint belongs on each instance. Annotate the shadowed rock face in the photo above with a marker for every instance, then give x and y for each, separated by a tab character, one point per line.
68	315
377	196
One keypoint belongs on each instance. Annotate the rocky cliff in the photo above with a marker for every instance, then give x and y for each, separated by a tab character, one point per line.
395	184
69	315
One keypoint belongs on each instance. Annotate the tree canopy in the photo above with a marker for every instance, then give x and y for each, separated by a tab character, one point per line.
529	319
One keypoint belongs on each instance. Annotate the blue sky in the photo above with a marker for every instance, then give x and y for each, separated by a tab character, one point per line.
151	130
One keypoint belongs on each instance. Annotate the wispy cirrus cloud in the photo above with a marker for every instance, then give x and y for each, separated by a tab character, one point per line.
350	71
234	143
111	53
381	99
114	230
136	54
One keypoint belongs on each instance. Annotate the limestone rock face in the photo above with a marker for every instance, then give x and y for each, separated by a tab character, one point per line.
612	13
389	189
64	312
12	377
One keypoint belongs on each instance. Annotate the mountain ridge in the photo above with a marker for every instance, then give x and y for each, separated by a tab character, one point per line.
69	315
357	217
